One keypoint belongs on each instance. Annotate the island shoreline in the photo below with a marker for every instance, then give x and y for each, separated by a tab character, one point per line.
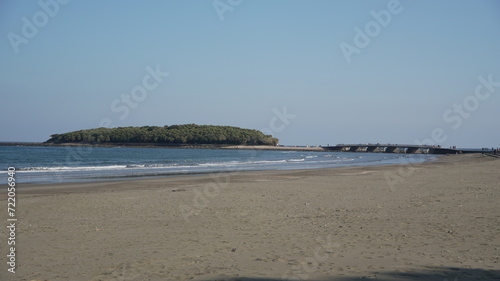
169	146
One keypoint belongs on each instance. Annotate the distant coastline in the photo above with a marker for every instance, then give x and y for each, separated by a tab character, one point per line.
171	146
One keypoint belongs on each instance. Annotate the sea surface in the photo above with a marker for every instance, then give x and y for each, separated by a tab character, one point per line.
77	164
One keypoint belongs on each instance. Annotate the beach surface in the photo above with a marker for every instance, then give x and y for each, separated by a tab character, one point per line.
432	221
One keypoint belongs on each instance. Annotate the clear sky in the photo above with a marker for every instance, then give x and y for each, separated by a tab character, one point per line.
309	72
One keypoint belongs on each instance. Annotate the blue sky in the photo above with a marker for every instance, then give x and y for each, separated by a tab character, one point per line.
270	65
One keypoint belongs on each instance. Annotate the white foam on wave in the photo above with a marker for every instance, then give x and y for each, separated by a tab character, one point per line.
235	164
250	164
69	169
331	155
296	160
240	163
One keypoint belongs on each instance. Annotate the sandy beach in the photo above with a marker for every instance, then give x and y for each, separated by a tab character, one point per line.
430	221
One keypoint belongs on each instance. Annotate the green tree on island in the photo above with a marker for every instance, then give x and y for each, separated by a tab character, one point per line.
171	135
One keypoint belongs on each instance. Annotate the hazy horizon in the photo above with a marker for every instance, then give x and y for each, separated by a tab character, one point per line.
309	73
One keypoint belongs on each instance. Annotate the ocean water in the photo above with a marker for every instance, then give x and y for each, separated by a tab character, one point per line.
76	164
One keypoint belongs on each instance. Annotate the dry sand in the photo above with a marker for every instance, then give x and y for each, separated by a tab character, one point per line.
433	221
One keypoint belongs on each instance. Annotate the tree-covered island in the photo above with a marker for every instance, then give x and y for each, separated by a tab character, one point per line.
189	134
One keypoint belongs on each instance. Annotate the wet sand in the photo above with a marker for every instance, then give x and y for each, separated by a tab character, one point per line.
430	221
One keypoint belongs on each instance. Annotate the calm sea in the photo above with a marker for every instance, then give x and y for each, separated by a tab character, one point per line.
70	164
